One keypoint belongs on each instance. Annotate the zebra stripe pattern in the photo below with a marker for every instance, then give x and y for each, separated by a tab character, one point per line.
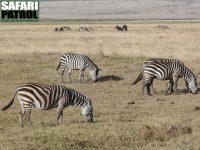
78	62
166	69
47	97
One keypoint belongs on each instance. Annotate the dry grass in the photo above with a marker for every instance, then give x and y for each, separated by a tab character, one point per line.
142	40
124	119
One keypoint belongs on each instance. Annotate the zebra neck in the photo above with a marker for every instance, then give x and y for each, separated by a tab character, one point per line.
187	74
77	99
91	66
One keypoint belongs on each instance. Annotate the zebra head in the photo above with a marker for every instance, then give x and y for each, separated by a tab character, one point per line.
87	111
192	85
94	74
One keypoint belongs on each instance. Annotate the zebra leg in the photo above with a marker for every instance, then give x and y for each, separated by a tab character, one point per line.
81	77
21	116
21	113
170	87
147	83
61	116
149	86
62	73
28	114
152	88
144	84
175	80
69	74
59	113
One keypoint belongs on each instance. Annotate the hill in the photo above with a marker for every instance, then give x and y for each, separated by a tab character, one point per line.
120	9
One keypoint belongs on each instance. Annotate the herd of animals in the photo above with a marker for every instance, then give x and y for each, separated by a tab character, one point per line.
45	97
117	27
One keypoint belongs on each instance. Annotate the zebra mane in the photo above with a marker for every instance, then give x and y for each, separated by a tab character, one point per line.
81	98
188	73
90	61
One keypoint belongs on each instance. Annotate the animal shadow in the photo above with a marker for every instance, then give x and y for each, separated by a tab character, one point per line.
109	78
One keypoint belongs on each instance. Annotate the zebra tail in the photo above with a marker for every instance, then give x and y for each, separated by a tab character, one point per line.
140	76
10	103
58	66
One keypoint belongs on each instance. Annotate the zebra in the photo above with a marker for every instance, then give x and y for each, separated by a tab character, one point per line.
90	29
46	97
67	28
162	27
78	62
166	69
83	29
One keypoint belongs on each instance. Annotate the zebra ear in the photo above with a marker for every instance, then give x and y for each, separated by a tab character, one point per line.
196	76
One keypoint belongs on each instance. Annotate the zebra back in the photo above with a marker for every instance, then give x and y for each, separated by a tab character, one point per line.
74	61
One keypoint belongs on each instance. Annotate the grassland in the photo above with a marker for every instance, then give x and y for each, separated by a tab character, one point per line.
124	119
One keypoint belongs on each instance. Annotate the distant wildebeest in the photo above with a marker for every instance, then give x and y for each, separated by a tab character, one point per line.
67	28
162	27
125	27
56	29
121	28
61	29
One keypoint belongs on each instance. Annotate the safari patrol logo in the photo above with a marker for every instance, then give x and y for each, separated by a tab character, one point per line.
14	10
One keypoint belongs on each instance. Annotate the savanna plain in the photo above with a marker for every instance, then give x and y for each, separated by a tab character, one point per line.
123	118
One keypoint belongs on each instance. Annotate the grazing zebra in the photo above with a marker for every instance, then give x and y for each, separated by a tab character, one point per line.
90	29
162	27
78	62
67	28
166	69
83	29
47	97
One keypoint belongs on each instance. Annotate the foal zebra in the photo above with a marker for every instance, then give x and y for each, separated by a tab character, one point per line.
78	62
47	97
166	69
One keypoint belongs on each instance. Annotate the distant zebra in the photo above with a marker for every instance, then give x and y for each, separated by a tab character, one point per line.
83	29
90	29
67	28
78	62
47	97
162	27
166	69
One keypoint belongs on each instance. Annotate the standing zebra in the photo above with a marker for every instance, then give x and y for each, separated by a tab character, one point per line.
47	97
166	69
78	62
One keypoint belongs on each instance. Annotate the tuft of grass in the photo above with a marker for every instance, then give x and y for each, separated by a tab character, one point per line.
163	132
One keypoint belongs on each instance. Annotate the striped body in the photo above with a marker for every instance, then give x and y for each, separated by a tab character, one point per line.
78	62
48	97
166	69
